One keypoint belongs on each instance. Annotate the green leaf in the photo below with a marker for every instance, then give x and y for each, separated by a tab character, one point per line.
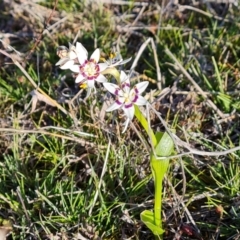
147	218
165	144
225	99
114	72
219	79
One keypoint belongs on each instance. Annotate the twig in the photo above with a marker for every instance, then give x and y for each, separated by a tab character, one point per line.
181	201
36	87
160	20
128	32
205	153
10	131
120	2
187	75
38	40
142	48
101	178
23	204
184	7
183	144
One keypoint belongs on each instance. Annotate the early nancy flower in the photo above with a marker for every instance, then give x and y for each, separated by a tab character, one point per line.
88	70
126	97
67	56
115	59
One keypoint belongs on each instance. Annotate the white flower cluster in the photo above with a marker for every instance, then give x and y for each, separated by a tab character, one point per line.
90	70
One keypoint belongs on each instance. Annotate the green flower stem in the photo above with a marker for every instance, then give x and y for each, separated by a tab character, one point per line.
145	125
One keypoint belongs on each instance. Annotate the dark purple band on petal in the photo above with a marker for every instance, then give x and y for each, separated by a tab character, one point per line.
136	90
128	105
91	78
83	73
135	98
97	68
92	60
116	92
125	85
118	102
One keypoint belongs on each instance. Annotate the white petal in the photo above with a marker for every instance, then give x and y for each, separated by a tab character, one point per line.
89	90
125	61
126	123
62	61
71	47
141	101
80	47
102	66
75	68
67	65
79	78
81	53
96	55
121	99
129	112
126	88
120	62
72	55
111	87
101	78
91	83
141	86
123	77
114	64
113	107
